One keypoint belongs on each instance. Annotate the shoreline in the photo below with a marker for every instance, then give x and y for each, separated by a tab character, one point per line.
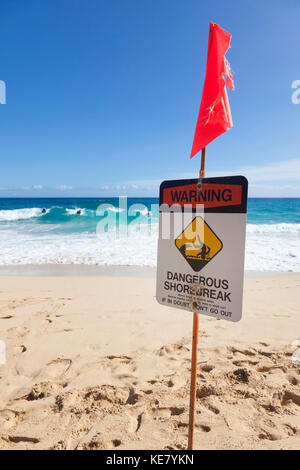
57	270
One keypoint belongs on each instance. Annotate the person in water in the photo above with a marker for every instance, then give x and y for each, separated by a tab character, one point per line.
78	212
44	211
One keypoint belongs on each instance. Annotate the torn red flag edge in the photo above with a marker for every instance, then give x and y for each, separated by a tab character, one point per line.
214	116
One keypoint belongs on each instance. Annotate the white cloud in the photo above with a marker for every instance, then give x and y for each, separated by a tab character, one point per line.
145	186
281	179
64	187
284	172
37	186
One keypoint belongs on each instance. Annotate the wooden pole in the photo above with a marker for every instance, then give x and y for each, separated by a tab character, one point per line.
195	342
193	381
202	168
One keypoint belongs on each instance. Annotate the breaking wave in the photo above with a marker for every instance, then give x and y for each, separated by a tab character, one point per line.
21	214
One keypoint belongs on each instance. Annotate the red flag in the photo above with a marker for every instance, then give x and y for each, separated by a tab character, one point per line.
214	115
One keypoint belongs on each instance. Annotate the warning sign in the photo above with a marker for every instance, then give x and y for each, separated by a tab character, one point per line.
201	246
198	243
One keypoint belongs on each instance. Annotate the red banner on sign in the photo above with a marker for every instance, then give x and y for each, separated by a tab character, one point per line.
211	195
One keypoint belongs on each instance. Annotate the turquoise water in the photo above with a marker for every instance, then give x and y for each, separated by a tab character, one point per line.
61	215
273	210
66	232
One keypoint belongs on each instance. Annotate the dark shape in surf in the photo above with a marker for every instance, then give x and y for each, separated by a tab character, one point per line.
204	253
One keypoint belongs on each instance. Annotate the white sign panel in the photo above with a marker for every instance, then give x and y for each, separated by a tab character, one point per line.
201	246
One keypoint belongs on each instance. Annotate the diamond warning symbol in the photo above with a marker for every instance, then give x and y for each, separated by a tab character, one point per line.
198	244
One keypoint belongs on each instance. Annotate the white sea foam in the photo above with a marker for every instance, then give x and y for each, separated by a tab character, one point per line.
103	249
264	253
114	209
274	249
75	211
273	228
20	214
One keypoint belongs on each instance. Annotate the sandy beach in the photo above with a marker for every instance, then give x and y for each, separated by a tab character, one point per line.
94	362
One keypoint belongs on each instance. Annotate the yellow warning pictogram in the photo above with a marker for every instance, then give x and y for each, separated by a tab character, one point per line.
198	244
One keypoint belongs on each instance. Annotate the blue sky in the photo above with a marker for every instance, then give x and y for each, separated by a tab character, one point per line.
102	97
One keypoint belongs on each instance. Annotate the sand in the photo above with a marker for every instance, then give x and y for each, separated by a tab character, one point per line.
93	362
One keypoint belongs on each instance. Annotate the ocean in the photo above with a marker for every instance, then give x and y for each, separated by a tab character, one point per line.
67	231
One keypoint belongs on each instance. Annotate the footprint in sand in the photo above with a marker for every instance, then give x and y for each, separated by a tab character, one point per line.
19	331
244	352
293	379
172	348
204	391
9	418
162	413
38	392
120	359
290	397
51	311
98	442
14	304
207	367
212	408
19	349
176	381
18	439
176	447
58	367
203	427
